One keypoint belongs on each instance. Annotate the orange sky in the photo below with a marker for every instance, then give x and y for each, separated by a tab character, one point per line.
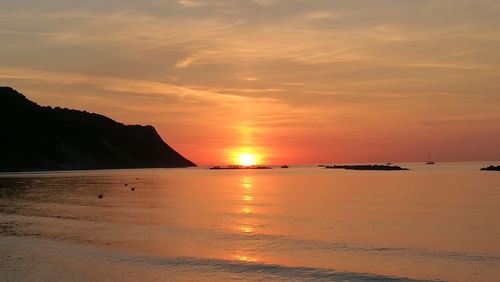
293	81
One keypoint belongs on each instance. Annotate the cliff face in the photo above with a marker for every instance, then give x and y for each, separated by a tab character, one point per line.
33	137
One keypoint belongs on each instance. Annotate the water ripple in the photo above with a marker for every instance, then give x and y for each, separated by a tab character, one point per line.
275	270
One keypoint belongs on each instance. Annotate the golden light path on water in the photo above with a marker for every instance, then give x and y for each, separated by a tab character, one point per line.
247	226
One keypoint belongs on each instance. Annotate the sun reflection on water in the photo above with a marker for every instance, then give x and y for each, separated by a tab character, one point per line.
246	258
248	222
246	229
247	210
247	185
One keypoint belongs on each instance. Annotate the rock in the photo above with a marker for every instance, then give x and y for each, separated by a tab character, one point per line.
239	167
491	168
366	167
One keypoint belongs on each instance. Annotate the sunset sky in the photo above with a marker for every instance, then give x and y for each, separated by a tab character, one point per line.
291	81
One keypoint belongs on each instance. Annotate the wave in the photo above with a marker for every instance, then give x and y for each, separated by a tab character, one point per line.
280	241
273	270
269	241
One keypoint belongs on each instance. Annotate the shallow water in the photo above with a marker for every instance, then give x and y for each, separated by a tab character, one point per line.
435	222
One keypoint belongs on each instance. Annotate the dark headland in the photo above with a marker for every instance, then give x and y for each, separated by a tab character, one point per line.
33	137
491	168
366	167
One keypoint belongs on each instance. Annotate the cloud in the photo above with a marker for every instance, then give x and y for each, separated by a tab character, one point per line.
117	84
319	15
264	2
184	63
192	3
247	78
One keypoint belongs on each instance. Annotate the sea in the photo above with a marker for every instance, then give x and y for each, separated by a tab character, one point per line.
304	223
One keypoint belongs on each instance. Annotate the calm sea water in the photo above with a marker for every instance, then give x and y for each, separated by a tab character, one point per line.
439	222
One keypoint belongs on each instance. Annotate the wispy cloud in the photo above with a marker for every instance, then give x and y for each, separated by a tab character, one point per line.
183	63
191	3
264	2
116	84
319	15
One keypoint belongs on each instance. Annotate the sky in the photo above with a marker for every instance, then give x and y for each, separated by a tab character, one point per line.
309	82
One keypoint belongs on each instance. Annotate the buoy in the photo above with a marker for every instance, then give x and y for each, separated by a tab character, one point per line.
132	189
125	184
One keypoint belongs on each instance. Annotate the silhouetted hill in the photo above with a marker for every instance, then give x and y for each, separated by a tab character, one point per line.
33	137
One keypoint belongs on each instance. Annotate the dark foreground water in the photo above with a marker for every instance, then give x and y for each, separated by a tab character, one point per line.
438	222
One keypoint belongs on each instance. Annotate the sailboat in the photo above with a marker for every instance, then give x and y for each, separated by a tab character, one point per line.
429	162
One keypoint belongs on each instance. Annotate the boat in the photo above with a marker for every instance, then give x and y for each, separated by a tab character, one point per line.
429	161
284	166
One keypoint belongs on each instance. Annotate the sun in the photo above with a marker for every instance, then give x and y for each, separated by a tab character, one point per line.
247	159
244	156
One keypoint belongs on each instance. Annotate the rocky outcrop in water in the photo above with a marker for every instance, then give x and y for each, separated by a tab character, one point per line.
366	167
238	167
491	168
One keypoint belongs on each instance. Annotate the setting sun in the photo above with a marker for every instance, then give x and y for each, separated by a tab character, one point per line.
246	156
247	159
